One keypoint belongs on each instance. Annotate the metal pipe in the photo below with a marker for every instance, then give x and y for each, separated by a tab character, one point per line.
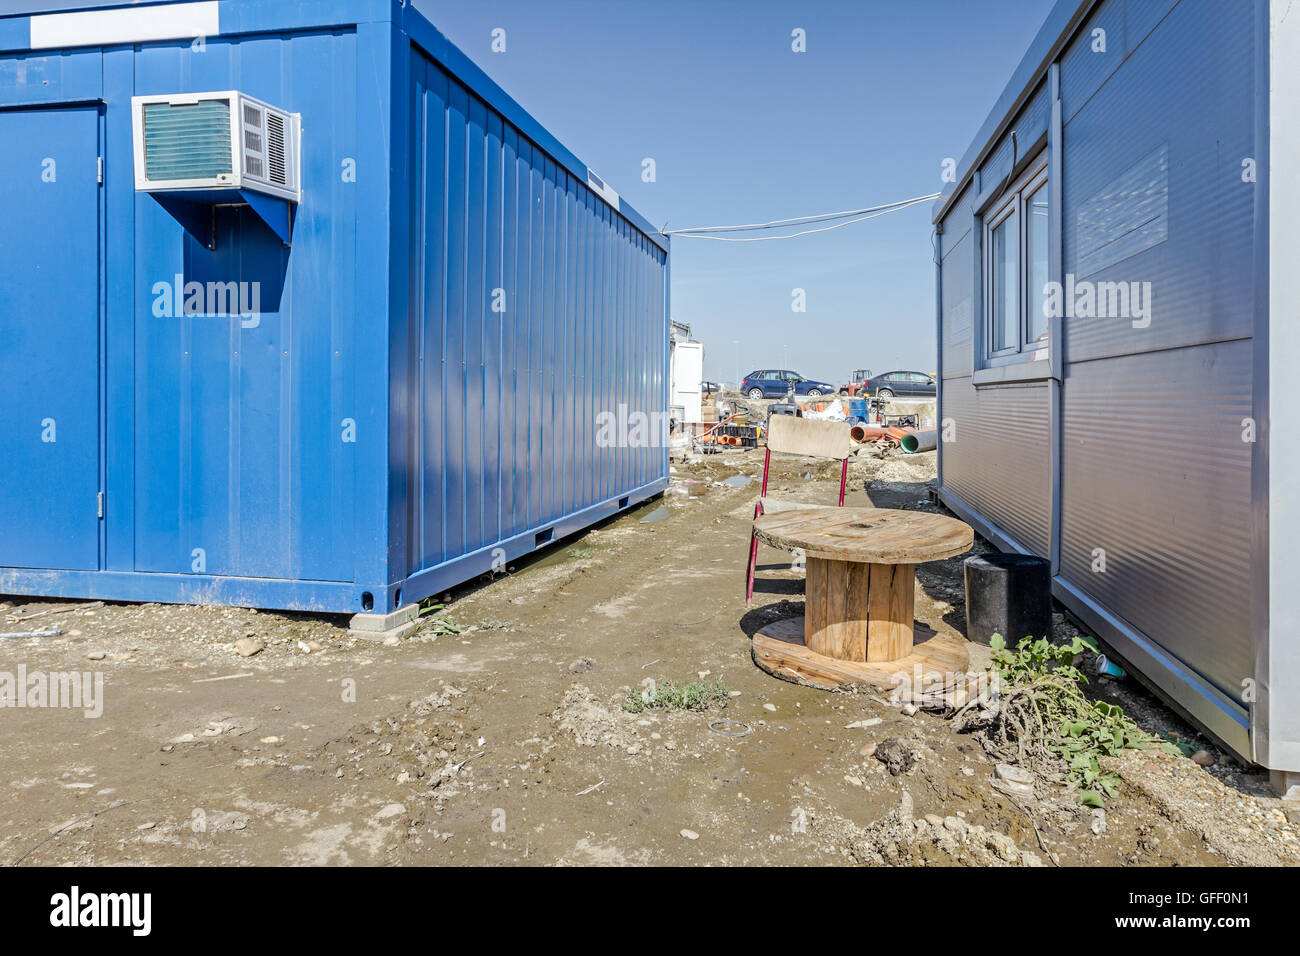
914	442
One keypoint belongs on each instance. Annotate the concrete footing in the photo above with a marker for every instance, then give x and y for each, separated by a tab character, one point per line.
1286	783
380	627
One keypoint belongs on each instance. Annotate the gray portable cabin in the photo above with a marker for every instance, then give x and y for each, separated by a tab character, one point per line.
1112	341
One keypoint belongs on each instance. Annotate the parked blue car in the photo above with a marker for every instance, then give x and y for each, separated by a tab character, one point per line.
775	383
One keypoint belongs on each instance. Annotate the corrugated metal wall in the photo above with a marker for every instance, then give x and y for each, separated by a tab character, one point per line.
998	456
428	360
1155	472
958	291
1156	480
1156	475
1018	141
236	437
997	452
535	308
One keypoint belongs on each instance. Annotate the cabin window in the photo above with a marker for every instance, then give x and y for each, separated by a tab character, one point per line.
1016	269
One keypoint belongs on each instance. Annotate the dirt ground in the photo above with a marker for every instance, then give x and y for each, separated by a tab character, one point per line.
506	743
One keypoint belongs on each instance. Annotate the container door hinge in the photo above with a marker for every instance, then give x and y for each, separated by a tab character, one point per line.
99	170
100	504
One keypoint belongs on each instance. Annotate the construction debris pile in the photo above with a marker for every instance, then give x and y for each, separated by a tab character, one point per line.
734	422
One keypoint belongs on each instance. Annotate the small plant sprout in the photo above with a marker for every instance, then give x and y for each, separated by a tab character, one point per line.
666	695
430	624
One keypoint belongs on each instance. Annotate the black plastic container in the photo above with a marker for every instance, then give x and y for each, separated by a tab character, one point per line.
1008	594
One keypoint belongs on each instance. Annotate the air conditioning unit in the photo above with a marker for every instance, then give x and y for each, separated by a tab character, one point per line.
202	143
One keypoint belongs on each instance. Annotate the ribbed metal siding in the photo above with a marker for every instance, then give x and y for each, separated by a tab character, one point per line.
1124	25
508	401
236	437
1016	142
1141	17
1156	473
1155	469
1084	65
957	291
1156	464
1202	273
958	222
999	461
956	247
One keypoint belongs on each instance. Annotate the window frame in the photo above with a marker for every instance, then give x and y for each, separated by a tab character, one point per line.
1012	202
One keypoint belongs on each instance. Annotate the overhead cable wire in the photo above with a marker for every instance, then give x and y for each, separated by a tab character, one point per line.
802	220
704	232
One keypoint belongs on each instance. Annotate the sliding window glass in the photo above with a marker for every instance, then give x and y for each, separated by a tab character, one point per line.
1036	265
1004	251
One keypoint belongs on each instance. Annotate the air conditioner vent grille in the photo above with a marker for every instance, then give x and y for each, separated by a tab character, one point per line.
275	150
187	140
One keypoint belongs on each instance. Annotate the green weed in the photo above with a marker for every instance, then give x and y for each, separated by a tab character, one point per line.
666	695
1044	710
437	626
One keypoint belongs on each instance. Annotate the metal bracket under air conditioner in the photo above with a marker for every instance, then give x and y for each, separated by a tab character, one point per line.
196	211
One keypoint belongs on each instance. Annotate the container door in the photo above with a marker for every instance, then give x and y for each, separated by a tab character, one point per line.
49	339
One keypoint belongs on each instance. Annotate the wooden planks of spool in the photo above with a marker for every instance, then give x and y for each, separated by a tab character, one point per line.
858	623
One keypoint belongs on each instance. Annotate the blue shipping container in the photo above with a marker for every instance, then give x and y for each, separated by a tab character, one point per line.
385	361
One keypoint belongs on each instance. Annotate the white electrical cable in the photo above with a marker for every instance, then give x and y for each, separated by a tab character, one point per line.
801	220
702	232
805	220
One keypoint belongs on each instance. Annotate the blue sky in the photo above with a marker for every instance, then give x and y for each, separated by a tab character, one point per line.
742	129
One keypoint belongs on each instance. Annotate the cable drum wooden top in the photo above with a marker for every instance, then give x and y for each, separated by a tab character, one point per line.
871	535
